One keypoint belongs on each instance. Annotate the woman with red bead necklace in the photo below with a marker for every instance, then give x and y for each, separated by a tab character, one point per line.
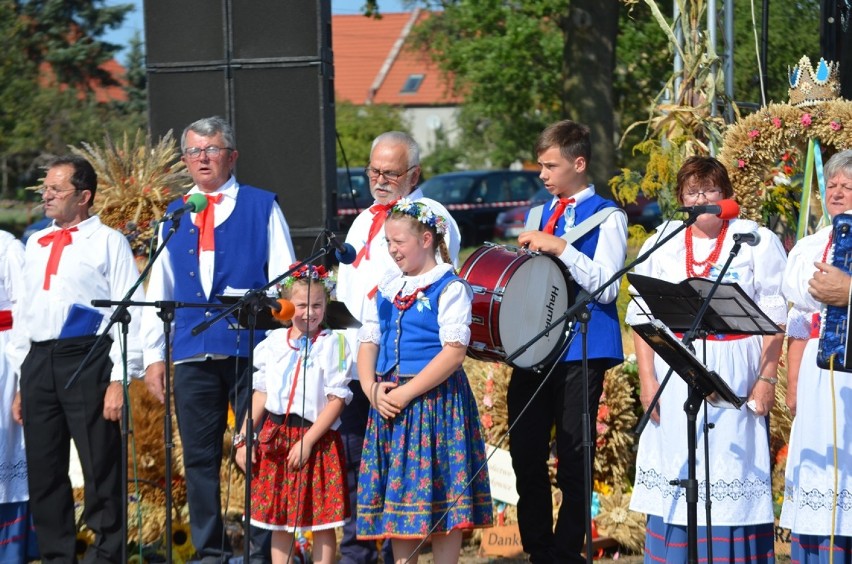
739	465
818	480
301	384
422	469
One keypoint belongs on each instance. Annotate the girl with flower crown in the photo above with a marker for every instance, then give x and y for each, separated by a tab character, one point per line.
422	469
301	385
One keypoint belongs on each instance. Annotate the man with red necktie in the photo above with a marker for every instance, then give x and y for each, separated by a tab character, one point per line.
564	151
394	171
73	261
240	240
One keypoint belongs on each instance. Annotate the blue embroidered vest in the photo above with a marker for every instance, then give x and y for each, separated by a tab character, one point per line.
413	333
604	336
242	250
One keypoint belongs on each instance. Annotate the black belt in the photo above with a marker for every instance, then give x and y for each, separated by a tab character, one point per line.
293	420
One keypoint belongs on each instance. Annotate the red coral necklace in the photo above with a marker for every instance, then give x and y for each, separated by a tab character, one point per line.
707	264
403	303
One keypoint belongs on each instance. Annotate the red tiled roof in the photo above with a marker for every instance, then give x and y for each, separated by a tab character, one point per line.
102	93
371	53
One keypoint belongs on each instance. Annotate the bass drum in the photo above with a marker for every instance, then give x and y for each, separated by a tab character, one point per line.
516	294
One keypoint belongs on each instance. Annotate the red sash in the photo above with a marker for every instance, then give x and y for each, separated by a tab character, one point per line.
5	319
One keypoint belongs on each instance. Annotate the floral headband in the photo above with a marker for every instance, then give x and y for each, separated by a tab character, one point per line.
422	213
313	274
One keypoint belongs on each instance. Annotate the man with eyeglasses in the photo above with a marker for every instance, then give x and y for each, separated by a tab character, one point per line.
240	240
68	264
394	170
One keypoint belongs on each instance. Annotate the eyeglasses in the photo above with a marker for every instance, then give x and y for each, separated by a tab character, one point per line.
710	194
390	175
50	190
212	151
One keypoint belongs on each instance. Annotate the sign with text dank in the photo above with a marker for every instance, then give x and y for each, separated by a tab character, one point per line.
502	541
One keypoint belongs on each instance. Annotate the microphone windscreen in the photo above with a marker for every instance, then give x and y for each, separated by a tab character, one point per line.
198	201
348	256
729	209
286	312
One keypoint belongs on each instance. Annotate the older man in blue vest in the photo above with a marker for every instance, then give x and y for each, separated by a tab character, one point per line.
240	240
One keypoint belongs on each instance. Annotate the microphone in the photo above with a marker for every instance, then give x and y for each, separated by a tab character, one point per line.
752	238
344	252
726	209
281	309
194	203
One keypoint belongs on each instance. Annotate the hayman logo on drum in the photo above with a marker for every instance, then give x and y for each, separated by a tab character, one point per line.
554	294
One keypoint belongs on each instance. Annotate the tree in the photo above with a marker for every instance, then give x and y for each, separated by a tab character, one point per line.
357	126
523	65
793	32
49	68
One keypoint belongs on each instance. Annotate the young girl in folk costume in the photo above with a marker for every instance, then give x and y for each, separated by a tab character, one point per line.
422	468
301	382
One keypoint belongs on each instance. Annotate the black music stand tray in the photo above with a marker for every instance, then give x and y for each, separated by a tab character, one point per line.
684	362
731	311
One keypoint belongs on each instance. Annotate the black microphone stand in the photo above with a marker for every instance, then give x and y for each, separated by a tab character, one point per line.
123	316
579	311
252	302
692	406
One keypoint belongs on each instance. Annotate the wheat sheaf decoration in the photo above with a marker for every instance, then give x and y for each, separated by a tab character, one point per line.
137	179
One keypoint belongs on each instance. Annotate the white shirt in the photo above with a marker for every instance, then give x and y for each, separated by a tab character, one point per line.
591	273
328	373
162	280
98	264
354	283
13	478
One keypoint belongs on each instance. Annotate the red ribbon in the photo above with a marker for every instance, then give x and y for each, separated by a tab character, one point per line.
58	240
557	213
5	320
380	214
204	221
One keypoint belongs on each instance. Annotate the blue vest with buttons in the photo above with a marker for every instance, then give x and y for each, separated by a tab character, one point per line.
412	332
242	251
604	334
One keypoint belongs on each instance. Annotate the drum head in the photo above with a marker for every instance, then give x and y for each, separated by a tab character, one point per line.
536	294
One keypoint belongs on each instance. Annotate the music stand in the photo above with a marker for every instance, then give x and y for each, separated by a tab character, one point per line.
696	306
731	310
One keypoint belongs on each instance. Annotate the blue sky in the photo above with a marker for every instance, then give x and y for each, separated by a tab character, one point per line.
135	20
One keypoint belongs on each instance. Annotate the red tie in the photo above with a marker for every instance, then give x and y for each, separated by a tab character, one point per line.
380	214
59	239
557	213
205	222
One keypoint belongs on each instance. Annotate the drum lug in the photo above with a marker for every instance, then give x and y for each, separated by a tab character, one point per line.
477	319
479	289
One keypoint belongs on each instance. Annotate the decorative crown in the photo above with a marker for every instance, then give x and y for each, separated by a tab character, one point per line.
422	213
311	273
809	87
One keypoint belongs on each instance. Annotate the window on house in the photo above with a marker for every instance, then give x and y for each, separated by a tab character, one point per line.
412	84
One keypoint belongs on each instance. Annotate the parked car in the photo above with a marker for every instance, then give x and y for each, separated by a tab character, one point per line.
510	223
476	197
34	227
353	195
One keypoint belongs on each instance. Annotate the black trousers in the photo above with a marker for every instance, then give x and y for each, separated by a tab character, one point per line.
54	415
559	403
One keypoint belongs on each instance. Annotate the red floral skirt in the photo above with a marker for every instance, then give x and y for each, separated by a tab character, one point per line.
313	497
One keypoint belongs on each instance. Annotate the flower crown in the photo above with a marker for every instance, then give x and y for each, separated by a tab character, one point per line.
422	213
313	274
